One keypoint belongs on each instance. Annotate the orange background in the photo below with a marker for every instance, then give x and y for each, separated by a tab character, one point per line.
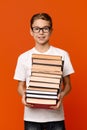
69	18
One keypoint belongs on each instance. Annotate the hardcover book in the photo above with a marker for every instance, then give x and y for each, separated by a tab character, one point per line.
43	56
43	89
48	62
44	85
28	91
41	103
45	79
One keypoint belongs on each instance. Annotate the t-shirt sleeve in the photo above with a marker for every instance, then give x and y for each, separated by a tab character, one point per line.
67	68
20	70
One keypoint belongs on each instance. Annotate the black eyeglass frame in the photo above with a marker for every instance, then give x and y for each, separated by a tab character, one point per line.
39	29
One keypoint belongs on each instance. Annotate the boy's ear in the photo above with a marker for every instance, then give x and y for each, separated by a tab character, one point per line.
51	31
31	32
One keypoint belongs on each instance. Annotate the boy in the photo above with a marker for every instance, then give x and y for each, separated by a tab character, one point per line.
35	118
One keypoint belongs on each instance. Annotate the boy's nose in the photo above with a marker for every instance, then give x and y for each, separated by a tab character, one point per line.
41	31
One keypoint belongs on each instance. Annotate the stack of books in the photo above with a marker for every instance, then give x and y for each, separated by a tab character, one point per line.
45	80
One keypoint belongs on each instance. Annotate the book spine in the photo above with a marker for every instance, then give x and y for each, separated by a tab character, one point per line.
47	67
45	71
42	56
47	62
46	75
42	89
44	85
45	79
41	101
40	92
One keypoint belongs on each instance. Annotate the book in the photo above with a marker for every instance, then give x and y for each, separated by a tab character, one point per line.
45	79
47	75
43	56
47	62
46	67
44	85
46	71
42	89
41	101
28	91
41	96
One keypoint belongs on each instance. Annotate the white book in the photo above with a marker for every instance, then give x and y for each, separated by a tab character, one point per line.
40	92
41	96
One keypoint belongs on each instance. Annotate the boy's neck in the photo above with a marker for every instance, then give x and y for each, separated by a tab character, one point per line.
42	48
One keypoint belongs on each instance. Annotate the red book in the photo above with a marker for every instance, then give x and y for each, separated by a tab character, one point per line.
41	103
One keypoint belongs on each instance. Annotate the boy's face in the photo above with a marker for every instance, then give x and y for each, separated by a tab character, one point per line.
41	31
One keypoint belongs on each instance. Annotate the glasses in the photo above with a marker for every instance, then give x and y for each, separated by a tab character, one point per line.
45	29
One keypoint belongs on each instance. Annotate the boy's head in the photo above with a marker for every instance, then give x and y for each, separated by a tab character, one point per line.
43	16
41	28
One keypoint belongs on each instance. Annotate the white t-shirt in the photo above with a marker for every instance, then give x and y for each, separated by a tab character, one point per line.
23	72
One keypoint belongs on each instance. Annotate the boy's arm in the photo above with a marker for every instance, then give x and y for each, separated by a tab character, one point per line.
67	86
64	92
21	91
21	87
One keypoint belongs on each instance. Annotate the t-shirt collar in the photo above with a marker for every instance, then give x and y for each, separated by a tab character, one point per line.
46	52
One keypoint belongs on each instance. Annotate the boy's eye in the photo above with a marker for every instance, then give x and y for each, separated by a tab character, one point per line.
36	28
46	28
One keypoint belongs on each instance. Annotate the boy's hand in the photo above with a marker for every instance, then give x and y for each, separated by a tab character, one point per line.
24	101
58	104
